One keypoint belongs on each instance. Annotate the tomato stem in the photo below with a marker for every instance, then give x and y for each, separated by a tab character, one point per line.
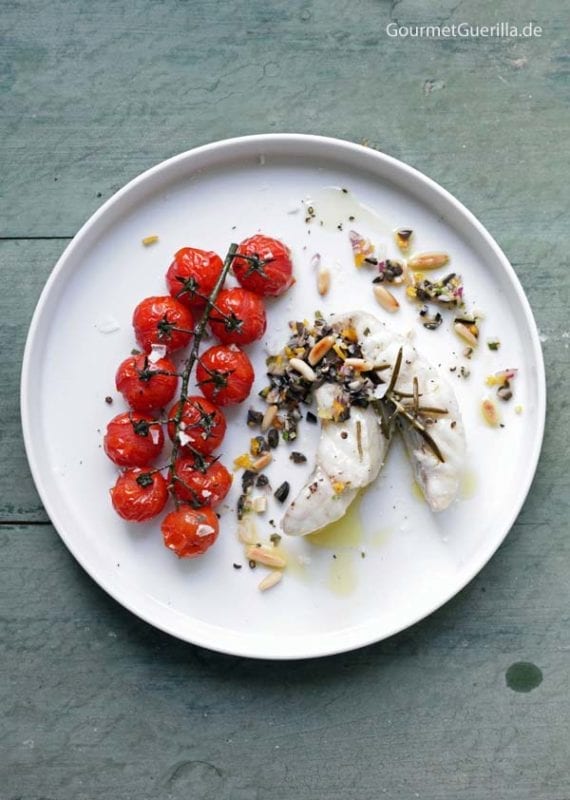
190	362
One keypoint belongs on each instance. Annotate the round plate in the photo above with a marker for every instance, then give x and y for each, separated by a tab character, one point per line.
393	562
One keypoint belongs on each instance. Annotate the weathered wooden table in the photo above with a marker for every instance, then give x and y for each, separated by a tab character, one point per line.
99	705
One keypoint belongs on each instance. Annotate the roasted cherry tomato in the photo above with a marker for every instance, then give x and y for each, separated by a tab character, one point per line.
239	317
162	320
268	269
201	481
133	440
146	385
189	532
192	275
139	494
202	425
225	375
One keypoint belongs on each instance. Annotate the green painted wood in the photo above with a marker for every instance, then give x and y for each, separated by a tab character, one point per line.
97	703
101	705
25	267
94	93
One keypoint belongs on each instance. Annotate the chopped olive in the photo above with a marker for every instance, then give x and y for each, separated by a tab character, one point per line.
312	418
242	499
254	418
281	494
298	458
262	480
247	479
273	438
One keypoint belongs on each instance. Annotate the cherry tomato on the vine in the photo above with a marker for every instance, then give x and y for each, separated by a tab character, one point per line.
133	440
189	532
225	375
202	425
192	275
268	269
146	385
238	317
139	494
162	320
201	481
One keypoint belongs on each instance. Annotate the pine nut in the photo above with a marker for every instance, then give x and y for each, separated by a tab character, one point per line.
261	462
268	418
385	298
323	282
303	369
320	349
270	580
464	332
263	556
428	261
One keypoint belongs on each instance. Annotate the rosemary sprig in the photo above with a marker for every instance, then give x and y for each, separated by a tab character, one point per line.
391	408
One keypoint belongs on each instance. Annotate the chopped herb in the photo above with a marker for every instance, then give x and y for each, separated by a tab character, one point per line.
275	539
493	344
258	445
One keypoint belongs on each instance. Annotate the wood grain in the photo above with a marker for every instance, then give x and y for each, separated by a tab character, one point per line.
98	704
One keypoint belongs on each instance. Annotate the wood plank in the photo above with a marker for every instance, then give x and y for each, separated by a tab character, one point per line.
100	704
25	267
97	92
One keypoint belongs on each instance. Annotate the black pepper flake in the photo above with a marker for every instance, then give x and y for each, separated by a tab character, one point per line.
312	418
251	564
351	218
273	438
343	435
108	399
298	458
237	566
282	493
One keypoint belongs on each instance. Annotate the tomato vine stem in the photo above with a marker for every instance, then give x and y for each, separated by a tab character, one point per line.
190	362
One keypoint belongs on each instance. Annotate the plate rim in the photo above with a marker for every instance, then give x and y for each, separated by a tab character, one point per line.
327	643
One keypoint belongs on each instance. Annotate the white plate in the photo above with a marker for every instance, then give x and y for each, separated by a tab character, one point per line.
413	560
